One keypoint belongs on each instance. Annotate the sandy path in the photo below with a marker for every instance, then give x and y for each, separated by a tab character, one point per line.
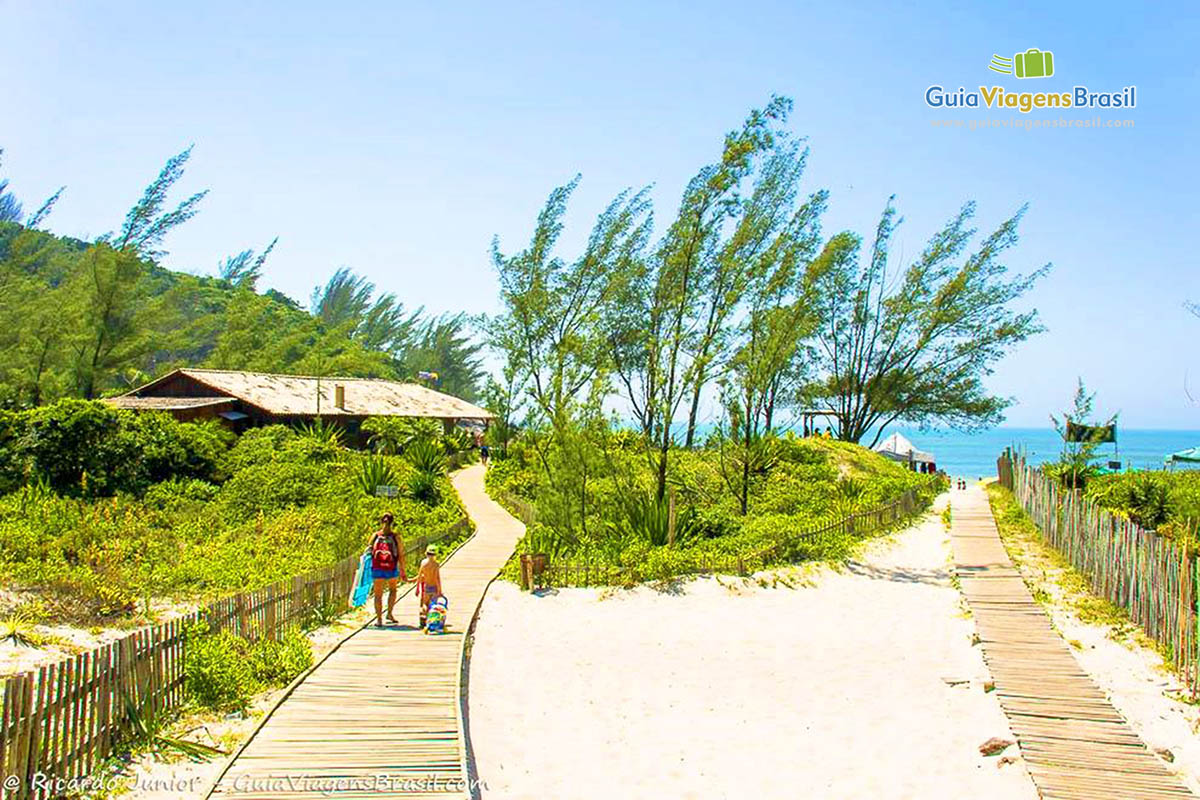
730	689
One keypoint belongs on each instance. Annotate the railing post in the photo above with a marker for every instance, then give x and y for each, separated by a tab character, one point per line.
526	571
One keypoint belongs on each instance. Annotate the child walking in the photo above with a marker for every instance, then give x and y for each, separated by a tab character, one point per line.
429	581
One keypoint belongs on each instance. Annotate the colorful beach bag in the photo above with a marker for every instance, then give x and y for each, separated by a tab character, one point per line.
361	588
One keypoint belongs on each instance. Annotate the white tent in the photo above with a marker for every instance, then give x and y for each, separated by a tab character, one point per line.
897	448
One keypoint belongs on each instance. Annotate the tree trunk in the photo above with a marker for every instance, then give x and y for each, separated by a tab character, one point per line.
701	377
691	428
662	467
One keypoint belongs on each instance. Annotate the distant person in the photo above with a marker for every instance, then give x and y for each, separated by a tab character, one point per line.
387	567
481	444
429	581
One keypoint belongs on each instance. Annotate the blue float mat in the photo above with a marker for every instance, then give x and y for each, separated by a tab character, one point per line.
362	582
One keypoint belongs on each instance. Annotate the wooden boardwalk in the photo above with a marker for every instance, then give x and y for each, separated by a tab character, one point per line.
1075	744
381	716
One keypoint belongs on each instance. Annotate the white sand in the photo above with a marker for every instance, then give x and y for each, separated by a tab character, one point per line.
730	689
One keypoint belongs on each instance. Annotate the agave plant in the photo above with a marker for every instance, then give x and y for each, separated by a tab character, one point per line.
322	432
1149	502
640	515
374	471
847	496
146	732
19	630
426	456
423	486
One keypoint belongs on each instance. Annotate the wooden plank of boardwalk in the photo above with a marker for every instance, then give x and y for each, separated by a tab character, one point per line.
381	716
1075	744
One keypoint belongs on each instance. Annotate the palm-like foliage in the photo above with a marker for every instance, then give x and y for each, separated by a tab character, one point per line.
639	515
146	733
394	435
457	441
425	455
423	486
19	630
325	433
375	471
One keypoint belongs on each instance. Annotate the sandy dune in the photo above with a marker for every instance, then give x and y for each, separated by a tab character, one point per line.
860	683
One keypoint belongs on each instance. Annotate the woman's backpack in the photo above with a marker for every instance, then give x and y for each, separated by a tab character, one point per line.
383	553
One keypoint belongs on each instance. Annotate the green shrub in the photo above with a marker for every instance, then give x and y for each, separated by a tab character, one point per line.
426	456
1168	502
457	441
639	515
15	461
322	432
394	435
78	446
270	487
224	672
257	446
172	449
277	663
178	493
216	672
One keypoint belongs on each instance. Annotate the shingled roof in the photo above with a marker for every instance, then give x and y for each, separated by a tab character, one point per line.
296	395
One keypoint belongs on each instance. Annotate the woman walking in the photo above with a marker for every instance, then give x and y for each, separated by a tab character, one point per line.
387	567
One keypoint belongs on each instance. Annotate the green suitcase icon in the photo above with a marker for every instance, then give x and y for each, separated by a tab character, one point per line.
1034	63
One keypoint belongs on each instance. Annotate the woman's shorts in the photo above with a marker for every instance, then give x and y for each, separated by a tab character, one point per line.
385	574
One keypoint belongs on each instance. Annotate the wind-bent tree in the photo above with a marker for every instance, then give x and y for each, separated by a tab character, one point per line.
551	331
112	319
10	207
669	326
444	345
147	224
780	315
347	302
914	345
244	269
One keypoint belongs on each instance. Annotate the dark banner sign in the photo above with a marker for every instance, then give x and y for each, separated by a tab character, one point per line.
1099	434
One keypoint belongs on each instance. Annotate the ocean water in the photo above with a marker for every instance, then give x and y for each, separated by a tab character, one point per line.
974	455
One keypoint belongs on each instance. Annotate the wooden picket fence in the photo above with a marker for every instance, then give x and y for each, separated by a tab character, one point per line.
1154	578
538	570
63	720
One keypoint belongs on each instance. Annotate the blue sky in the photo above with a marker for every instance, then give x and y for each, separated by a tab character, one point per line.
397	138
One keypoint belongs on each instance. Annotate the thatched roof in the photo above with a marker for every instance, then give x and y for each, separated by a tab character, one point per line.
296	395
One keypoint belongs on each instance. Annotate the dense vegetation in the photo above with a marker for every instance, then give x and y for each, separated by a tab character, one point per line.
1168	502
611	516
105	508
87	318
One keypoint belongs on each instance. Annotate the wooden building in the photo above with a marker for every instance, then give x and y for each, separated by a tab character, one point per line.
249	399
